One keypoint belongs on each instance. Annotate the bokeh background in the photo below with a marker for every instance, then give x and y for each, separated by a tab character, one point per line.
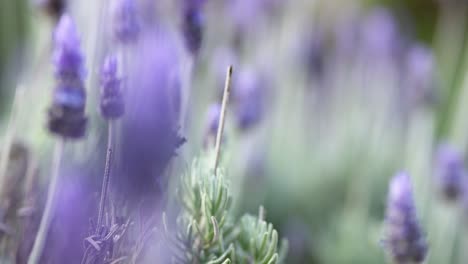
346	94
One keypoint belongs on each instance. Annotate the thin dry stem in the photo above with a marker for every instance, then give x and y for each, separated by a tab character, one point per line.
219	135
106	178
41	236
10	133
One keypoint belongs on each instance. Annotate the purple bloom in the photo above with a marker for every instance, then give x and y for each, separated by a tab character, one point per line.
450	172
419	74
150	127
249	96
66	115
67	56
404	238
380	35
112	103
193	24
126	23
54	8
211	126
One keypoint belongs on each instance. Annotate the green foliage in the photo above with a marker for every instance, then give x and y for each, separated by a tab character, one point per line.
257	241
205	230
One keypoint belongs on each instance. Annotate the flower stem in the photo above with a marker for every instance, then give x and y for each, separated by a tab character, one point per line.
10	133
106	179
227	90
41	236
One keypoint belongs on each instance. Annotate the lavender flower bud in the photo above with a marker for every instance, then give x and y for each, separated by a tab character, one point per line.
249	96
380	35
67	56
404	238
419	75
211	125
66	115
112	103
193	24
449	172
54	8
126	24
150	126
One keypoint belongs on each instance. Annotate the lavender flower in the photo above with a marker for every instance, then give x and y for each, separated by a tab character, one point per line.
193	24
67	56
419	75
126	24
66	115
150	128
404	238
249	96
380	35
54	8
211	126
112	104
449	172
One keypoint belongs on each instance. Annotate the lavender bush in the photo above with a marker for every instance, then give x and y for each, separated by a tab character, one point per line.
125	141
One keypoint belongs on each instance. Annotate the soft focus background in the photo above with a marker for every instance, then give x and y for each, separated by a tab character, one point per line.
345	94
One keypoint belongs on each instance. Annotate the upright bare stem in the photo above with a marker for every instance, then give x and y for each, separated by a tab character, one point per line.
10	133
41	236
219	135
106	179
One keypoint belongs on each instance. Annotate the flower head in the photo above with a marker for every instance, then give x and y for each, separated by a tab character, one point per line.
450	172
193	24
150	127
54	8
249	95
126	24
404	238
380	35
112	103
419	75
211	126
66	115
67	56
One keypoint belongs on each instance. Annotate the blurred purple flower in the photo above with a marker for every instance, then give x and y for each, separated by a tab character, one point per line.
450	172
419	74
249	96
404	238
111	103
211	125
150	127
54	8
66	115
380	35
193	24
125	20
67	56
314	54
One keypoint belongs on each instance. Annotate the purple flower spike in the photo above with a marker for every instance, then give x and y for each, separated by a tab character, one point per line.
150	127
212	122
249	95
419	74
450	172
66	115
112	103
67	56
380	35
126	24
404	238
54	8
193	24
